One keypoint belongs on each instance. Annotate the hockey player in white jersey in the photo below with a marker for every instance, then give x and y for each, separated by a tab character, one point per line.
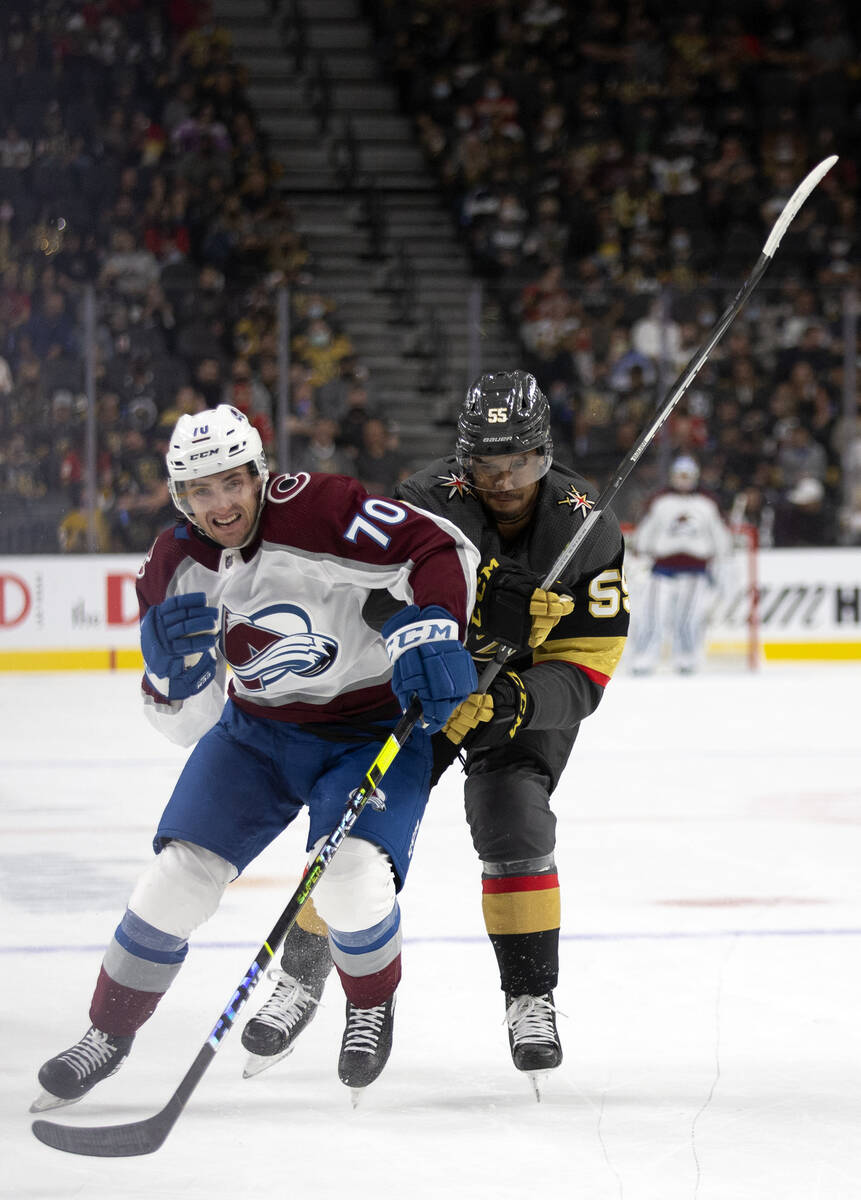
686	542
282	580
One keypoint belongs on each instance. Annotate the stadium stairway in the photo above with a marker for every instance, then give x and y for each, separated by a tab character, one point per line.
382	241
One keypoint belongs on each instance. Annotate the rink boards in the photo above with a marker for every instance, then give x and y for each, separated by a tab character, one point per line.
80	612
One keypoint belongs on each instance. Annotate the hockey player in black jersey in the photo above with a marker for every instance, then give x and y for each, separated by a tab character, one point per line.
505	493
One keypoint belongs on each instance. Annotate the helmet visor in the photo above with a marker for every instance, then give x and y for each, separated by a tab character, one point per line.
219	486
507	472
178	489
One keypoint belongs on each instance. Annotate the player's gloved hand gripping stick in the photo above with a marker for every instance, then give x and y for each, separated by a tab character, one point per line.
429	662
511	607
514	612
143	1137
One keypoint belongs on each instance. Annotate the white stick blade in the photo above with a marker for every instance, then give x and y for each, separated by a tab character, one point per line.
795	202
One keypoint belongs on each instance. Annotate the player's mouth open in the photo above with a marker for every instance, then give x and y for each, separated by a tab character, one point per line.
225	522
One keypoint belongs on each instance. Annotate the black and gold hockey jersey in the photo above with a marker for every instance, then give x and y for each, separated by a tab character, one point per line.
565	676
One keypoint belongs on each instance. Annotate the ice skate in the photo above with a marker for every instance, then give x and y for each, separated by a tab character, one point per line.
70	1075
272	1034
366	1045
535	1046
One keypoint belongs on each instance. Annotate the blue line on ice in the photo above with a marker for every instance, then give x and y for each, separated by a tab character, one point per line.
667	935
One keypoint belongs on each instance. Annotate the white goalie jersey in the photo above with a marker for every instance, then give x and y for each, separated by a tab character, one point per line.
683	531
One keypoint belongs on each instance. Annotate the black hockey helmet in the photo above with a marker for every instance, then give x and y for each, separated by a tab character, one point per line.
504	414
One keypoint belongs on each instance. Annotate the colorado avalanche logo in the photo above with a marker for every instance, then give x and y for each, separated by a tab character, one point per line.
276	641
376	800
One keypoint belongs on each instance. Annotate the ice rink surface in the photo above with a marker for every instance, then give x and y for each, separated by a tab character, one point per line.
709	853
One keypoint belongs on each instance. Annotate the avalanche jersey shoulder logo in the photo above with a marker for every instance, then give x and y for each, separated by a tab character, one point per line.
577	501
456	484
286	487
265	646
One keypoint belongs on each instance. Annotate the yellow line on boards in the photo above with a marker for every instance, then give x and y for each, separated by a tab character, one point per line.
790	651
782	651
128	659
71	660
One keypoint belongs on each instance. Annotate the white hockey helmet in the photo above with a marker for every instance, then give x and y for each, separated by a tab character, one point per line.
684	474
208	442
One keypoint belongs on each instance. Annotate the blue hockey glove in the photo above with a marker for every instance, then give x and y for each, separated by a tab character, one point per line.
180	626
429	661
192	680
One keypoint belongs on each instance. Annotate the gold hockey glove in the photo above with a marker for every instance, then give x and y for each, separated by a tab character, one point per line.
510	607
546	609
489	718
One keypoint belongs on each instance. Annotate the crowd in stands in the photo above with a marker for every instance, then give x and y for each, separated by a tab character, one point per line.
132	161
613	170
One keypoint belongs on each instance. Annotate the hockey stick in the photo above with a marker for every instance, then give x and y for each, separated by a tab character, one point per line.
606	498
144	1137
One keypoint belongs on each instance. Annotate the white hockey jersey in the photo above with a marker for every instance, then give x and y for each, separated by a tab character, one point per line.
682	531
293	605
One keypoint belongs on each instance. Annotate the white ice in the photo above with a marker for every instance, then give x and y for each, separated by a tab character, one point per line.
709	847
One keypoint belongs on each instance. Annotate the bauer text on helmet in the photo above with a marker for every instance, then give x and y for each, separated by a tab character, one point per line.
504	423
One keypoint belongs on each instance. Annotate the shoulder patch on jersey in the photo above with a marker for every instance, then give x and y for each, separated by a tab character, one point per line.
286	487
577	500
457	485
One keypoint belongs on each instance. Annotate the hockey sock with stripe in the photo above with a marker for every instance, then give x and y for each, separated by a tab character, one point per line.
369	960
139	966
522	917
